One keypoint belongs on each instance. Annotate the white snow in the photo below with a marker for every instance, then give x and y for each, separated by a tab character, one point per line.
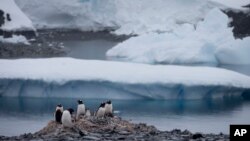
62	70
236	52
15	39
126	16
19	21
211	42
236	4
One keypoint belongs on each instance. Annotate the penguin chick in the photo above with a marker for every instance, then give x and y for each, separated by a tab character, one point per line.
66	118
109	108
101	111
88	113
58	113
80	109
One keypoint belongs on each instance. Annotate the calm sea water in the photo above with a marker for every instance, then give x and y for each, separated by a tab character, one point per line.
22	115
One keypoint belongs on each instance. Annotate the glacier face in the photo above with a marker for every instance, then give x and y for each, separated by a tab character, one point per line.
211	42
67	77
126	17
111	90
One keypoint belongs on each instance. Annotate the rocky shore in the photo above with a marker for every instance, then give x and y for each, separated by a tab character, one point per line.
50	43
109	129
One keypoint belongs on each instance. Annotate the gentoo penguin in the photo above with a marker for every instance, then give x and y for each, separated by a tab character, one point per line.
108	108
87	113
101	111
80	109
67	118
58	113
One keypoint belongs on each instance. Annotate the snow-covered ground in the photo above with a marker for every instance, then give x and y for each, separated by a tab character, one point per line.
128	17
211	42
14	39
67	77
19	21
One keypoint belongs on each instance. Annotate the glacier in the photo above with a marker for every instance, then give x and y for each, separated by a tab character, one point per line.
210	42
124	17
74	78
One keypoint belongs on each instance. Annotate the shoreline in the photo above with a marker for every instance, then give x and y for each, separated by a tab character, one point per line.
50	43
92	128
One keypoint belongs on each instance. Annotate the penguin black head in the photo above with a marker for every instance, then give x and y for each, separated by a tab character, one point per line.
102	105
108	102
71	110
59	105
80	102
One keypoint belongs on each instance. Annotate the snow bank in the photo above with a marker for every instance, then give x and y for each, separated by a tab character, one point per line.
211	42
68	77
18	20
15	39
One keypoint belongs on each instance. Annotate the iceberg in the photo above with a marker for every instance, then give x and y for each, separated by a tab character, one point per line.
73	78
210	42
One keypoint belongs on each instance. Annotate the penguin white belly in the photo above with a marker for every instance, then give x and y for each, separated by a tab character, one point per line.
88	114
66	119
108	108
80	110
100	112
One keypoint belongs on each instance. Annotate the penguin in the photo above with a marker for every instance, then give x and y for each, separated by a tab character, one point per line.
58	113
80	109
101	110
87	113
109	108
67	118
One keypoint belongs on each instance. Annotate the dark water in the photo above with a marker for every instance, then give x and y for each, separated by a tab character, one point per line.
92	49
19	115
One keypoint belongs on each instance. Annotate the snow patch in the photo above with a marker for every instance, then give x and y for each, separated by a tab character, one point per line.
236	4
19	21
15	39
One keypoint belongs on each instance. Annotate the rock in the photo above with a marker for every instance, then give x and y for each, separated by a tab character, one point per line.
240	22
197	136
2	18
124	133
111	129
